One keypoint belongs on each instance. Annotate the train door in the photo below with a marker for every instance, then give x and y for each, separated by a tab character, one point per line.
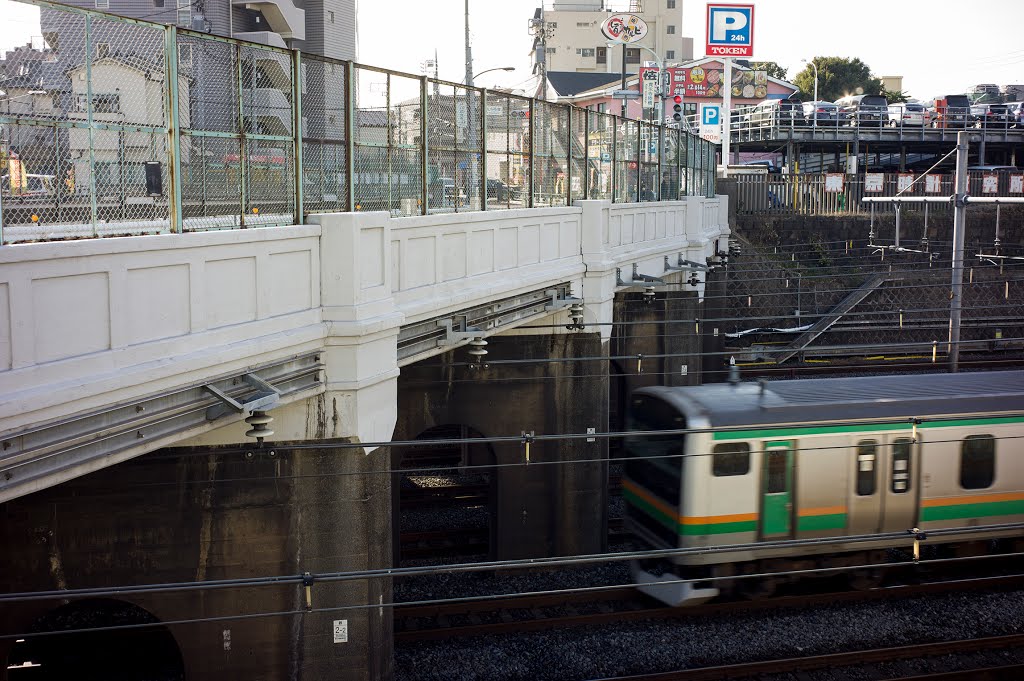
898	468
777	490
865	506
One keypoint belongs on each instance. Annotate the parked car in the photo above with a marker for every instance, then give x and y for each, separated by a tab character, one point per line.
908	114
765	163
1016	111
821	113
786	112
35	187
991	116
952	111
500	192
863	110
444	194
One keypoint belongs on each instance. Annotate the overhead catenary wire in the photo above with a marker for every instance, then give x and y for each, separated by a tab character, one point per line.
511	565
484	468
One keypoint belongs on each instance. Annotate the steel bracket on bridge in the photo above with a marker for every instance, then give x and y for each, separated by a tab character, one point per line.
266	398
51	453
560	300
638	279
451	336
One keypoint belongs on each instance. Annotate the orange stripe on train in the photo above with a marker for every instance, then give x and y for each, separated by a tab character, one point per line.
972	499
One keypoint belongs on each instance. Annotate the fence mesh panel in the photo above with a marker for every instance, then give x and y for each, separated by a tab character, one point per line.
577	154
324	149
670	188
211	153
90	144
508	143
626	160
650	149
600	148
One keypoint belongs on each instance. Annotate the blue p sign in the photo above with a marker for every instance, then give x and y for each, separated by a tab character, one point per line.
710	114
730	30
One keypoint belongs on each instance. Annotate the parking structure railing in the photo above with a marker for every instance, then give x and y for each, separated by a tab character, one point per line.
838	193
117	126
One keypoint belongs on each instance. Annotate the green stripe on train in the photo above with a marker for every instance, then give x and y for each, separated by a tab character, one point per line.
767	432
673	525
813	523
979	510
663	518
718	528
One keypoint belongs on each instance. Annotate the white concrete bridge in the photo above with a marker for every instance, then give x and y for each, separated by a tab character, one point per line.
114	347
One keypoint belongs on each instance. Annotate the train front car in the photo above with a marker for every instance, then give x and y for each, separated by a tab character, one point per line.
743	468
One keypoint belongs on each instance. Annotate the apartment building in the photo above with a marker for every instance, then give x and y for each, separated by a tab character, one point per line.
568	38
325	27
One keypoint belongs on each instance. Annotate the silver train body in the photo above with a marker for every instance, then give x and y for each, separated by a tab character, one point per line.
805	459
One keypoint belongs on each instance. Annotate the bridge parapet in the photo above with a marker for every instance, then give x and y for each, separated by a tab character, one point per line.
97	335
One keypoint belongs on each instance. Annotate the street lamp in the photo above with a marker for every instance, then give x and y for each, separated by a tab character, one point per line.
496	68
814	123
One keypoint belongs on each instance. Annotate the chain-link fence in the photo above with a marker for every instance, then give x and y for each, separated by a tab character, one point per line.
115	126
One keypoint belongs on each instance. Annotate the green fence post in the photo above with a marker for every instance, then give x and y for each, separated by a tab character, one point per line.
300	217
533	153
175	219
350	129
483	148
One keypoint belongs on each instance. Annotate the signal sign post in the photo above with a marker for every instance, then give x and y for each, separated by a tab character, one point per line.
730	32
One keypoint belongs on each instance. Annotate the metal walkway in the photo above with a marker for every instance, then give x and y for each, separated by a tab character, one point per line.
835	314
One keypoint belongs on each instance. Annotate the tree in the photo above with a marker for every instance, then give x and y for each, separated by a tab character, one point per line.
837	77
894	96
773	69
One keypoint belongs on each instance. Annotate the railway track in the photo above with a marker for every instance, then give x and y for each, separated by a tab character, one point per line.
846	664
619	604
469	541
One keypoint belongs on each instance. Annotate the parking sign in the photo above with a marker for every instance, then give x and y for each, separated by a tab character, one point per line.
711	122
730	31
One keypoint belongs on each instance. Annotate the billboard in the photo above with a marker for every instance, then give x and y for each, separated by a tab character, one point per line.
624	28
709	82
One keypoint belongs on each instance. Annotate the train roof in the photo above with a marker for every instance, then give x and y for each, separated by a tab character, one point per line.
858	398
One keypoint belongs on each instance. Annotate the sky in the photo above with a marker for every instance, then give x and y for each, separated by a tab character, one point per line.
939	47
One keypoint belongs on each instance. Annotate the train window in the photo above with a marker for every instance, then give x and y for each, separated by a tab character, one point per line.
867	451
978	461
655	461
901	465
777	471
730	458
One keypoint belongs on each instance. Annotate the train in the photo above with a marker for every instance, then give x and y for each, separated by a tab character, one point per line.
735	472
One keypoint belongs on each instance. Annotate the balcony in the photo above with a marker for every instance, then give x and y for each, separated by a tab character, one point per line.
284	17
268	38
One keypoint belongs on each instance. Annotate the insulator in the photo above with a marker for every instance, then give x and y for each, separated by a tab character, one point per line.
259	420
649	294
477	348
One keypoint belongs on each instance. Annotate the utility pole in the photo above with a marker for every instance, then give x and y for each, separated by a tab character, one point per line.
959	224
624	100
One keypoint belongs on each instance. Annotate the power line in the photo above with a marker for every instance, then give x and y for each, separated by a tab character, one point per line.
463	568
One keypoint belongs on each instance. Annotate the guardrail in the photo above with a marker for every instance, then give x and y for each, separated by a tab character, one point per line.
93	142
836	193
746	123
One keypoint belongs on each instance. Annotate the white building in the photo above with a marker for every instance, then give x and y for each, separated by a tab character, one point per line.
567	35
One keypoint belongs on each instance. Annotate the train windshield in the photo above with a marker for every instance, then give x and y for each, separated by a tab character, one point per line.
654	461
